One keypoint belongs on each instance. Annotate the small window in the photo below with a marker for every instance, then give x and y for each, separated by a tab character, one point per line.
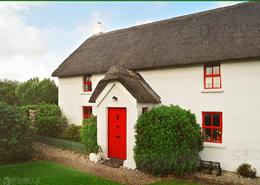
144	110
212	76
87	84
87	112
212	127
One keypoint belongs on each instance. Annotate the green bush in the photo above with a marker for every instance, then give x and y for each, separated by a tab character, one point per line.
72	133
16	135
168	141
49	120
246	170
88	134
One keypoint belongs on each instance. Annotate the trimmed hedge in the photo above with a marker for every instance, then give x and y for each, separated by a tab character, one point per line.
16	135
49	120
168	141
72	133
88	134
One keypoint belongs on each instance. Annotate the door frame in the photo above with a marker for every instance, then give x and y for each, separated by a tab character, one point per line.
108	129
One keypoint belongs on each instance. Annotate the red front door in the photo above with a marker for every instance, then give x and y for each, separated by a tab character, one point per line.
117	133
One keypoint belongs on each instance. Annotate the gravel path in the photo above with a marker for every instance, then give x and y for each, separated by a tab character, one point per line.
126	176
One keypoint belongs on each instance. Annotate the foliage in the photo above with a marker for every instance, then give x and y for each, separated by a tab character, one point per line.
35	91
8	92
246	170
25	109
72	133
88	134
168	141
49	120
47	173
16	135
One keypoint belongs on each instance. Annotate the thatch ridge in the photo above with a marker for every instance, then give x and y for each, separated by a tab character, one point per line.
229	33
132	81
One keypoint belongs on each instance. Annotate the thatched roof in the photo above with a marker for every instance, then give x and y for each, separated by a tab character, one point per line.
228	33
132	81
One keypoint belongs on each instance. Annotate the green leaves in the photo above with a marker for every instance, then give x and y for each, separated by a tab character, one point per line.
88	134
168	140
16	135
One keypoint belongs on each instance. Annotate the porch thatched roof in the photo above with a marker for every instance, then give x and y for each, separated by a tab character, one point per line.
223	34
132	81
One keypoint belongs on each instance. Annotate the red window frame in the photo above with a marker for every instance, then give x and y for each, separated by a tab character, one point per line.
87	112
87	84
212	127
212	75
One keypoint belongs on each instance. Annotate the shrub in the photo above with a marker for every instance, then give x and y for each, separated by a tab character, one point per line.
15	137
88	134
246	170
72	133
168	141
49	120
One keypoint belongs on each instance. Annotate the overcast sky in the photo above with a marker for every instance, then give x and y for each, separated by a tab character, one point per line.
36	37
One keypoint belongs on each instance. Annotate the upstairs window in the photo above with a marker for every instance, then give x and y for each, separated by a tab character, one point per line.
87	112
212	126
87	84
212	77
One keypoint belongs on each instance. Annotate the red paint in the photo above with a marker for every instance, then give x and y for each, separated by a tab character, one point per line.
87	112
117	133
212	75
87	84
212	127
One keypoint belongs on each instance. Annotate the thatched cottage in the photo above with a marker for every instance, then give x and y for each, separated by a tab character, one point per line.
207	62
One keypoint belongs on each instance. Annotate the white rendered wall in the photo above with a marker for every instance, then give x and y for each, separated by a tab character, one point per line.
72	97
239	101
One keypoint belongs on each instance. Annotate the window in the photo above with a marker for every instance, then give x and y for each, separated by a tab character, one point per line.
87	84
212	77
212	127
144	110
87	112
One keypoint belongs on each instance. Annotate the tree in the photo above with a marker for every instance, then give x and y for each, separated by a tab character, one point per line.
35	91
8	92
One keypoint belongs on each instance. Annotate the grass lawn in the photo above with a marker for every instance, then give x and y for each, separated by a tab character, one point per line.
46	173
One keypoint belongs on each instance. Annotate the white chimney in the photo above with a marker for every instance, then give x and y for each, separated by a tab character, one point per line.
99	28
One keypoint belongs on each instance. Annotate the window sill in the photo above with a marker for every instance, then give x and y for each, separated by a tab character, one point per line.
86	93
212	90
213	145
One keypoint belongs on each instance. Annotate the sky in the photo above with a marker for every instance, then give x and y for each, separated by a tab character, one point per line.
36	37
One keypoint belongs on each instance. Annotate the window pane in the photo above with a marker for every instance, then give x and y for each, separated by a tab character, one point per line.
208	82
216	135
216	120
207	119
215	69
208	70
216	82
206	134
